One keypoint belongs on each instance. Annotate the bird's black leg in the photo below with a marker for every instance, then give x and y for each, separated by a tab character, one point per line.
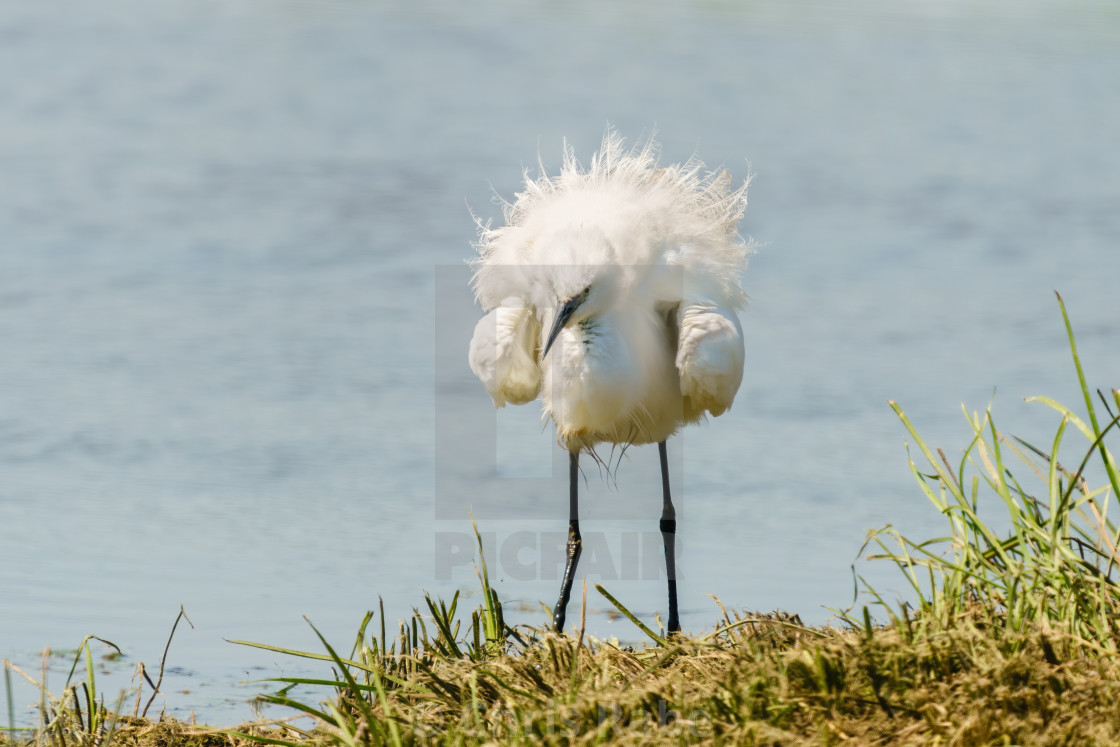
669	537
574	543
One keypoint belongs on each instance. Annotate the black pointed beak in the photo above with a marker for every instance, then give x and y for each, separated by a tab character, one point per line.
563	314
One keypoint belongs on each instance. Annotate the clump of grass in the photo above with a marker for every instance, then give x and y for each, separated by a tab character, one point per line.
376	668
79	717
1056	566
76	718
756	679
527	685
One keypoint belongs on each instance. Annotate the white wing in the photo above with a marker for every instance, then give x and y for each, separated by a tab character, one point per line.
504	351
710	357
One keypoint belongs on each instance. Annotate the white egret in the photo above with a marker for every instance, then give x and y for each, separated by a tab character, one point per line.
631	272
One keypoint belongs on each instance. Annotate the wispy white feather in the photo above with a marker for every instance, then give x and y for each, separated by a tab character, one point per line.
686	216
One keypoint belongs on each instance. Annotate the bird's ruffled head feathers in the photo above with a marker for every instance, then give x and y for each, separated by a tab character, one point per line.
622	212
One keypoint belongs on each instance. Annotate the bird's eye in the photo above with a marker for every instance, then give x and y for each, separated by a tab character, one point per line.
586	290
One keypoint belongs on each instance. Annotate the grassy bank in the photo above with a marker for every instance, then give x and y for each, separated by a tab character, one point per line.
761	683
1012	638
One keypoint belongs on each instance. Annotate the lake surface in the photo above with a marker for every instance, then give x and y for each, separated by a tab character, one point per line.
234	314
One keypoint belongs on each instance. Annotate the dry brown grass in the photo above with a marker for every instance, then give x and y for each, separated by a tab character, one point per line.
771	682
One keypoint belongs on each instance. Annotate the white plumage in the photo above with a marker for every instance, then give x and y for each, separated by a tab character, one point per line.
612	292
656	342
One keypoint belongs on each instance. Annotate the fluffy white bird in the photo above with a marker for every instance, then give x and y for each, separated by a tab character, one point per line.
631	272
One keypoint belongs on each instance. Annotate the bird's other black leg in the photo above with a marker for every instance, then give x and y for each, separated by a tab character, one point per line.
575	545
669	537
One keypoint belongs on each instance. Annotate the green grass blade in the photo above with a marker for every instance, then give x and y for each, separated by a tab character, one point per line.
360	638
302	654
283	700
491	624
264	740
1077	365
317	681
10	698
446	640
630	616
379	687
92	711
942	474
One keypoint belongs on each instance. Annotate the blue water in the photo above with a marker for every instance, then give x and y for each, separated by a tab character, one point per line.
234	313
